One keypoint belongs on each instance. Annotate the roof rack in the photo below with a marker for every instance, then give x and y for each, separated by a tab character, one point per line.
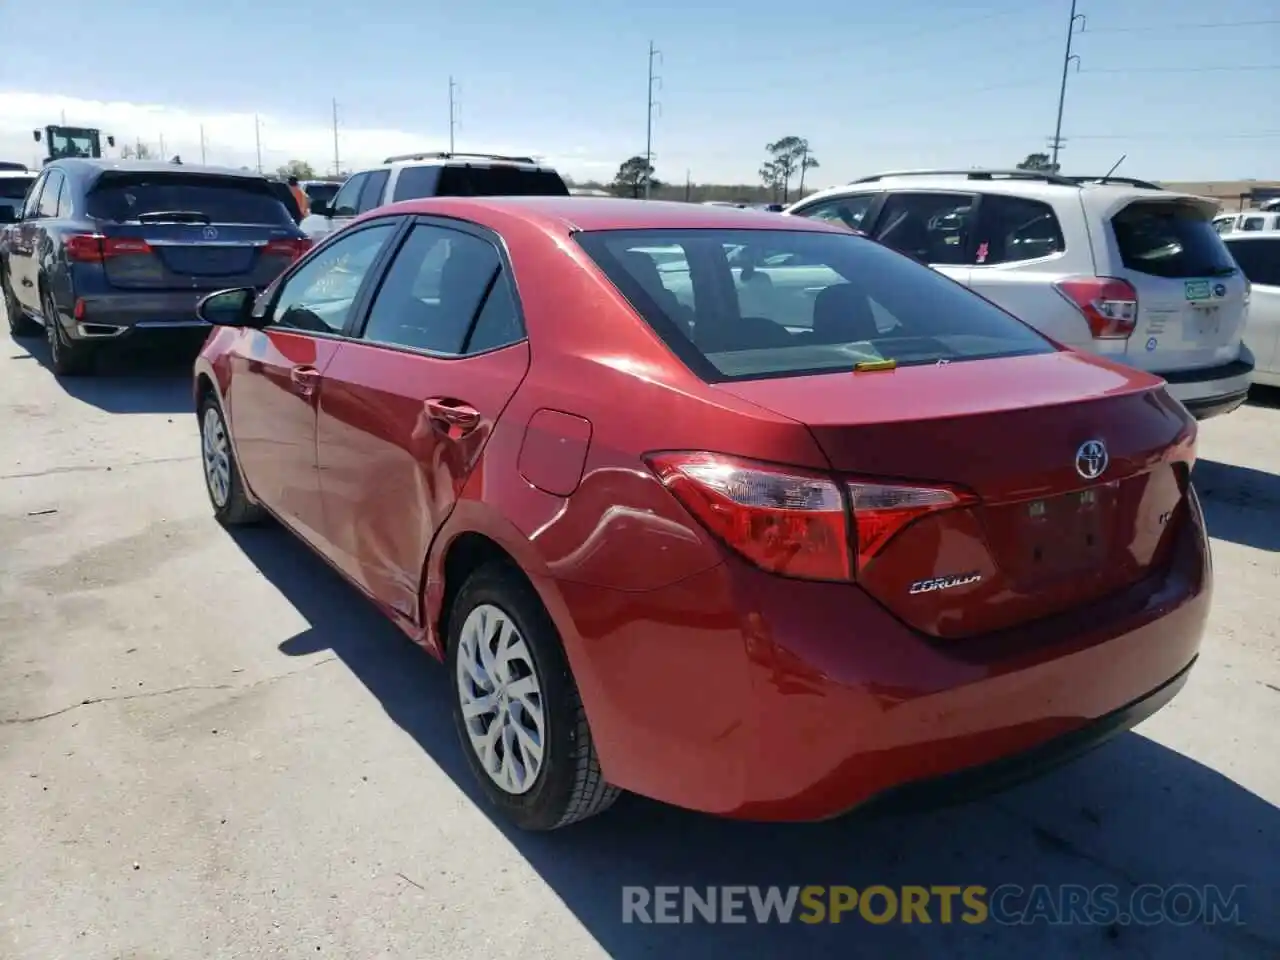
1044	175
1130	181
443	155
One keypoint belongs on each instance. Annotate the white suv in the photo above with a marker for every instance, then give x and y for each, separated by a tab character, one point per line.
1122	269
415	176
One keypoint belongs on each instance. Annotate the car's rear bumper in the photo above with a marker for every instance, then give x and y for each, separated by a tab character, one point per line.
1213	391
117	316
754	696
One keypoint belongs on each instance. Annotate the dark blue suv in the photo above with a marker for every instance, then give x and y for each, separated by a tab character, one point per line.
107	250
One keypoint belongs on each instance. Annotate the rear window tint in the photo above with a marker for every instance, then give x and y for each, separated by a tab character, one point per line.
1173	240
323	192
747	304
15	188
222	199
458	181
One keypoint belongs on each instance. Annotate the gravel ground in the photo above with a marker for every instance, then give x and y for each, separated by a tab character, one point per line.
210	747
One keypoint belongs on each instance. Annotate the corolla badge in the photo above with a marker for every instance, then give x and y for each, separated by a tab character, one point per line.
1091	459
933	584
210	233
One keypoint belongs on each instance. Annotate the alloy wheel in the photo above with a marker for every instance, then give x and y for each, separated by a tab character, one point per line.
501	699
217	456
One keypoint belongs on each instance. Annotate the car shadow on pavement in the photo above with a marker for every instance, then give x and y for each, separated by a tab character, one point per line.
1240	503
1128	814
154	379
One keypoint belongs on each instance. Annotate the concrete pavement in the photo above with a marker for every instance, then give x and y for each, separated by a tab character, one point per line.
210	747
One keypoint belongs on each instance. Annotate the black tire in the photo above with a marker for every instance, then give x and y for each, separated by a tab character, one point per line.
68	357
568	786
235	510
20	325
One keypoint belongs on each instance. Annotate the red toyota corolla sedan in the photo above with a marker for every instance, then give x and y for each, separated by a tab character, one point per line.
745	513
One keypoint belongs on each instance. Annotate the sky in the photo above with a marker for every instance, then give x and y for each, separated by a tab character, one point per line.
1183	88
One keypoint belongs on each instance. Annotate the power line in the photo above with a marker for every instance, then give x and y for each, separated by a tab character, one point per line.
1219	25
1237	68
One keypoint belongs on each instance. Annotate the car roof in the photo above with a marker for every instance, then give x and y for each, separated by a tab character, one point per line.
96	165
1107	193
571	214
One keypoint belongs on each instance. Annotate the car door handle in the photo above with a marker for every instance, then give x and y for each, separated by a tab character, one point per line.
304	379
454	413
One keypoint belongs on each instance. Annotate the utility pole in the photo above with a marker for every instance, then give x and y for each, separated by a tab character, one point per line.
202	156
162	146
337	164
1067	57
257	139
453	112
688	186
654	53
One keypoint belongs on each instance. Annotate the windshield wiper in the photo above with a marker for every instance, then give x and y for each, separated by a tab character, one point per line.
174	216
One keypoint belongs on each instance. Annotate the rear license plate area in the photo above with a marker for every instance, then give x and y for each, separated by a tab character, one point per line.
1056	537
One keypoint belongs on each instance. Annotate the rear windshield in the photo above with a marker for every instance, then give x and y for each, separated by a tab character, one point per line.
747	304
122	198
324	192
15	188
457	181
1172	240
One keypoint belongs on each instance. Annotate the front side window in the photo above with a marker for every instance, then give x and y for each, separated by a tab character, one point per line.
446	292
849	211
348	197
1251	224
371	195
812	302
928	227
1259	258
33	198
320	295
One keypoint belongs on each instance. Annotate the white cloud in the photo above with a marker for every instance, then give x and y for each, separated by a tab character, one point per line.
229	137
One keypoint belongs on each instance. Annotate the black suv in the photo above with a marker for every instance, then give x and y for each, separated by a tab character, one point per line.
104	250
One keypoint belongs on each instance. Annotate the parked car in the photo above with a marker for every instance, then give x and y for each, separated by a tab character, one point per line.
420	175
14	185
1128	272
320	191
1259	257
766	570
109	250
1246	221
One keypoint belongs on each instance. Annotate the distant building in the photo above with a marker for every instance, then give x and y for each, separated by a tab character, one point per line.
1234	195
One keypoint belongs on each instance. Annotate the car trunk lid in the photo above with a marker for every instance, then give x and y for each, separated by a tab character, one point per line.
1032	533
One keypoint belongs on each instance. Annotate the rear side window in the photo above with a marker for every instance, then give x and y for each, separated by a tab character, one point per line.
48	208
499	181
1014	229
14	188
445	292
747	304
1251	224
1172	240
122	198
929	227
416	183
1259	259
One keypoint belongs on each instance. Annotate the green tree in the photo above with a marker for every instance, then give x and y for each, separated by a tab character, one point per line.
1039	162
631	177
788	157
297	168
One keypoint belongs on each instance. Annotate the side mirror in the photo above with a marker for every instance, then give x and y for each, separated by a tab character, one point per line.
8	214
230	308
321	209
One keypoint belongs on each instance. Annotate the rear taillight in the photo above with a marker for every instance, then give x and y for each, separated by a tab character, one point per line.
1110	305
293	247
94	247
882	510
793	521
783	519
